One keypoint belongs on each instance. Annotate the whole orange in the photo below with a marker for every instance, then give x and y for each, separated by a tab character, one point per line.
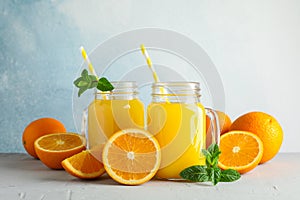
38	128
224	122
265	127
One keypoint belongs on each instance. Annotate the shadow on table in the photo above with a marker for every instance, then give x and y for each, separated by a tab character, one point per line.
180	181
71	180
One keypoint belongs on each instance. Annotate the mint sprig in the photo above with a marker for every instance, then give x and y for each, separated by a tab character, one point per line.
210	171
104	85
86	81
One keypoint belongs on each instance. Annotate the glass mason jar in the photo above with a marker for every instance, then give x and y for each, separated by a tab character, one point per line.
178	121
112	111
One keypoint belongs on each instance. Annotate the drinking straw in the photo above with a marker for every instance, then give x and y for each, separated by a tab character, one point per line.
154	74
86	58
91	68
149	62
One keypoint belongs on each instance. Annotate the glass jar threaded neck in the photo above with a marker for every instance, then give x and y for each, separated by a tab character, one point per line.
176	92
123	90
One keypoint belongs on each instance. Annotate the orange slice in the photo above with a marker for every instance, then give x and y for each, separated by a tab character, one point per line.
83	165
240	150
52	149
131	156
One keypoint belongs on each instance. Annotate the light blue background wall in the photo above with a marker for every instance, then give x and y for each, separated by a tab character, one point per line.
255	46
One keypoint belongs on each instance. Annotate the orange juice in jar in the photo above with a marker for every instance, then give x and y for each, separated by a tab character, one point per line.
177	119
112	111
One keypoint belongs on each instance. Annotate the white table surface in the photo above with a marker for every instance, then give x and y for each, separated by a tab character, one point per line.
22	177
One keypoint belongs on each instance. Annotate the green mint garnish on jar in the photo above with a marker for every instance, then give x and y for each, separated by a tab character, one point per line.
87	81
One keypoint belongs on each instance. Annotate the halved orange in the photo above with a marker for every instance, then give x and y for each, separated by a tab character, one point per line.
53	148
83	165
131	156
266	127
240	150
38	128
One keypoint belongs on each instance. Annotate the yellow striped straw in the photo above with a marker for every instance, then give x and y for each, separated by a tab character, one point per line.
86	58
91	68
149	63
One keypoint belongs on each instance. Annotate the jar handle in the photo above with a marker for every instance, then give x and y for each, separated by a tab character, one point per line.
213	131
84	124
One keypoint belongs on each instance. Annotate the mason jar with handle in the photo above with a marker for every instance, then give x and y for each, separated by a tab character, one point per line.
178	121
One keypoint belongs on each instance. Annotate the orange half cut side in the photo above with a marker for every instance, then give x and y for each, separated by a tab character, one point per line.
52	149
240	150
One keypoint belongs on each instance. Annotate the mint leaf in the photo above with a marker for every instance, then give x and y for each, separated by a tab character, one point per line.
81	90
214	175
85	74
208	160
229	175
211	171
82	84
104	85
214	150
195	173
77	81
212	155
206	153
93	81
86	81
208	157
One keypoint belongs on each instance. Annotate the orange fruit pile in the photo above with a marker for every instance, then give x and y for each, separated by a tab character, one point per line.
253	138
131	156
38	128
240	150
52	149
265	127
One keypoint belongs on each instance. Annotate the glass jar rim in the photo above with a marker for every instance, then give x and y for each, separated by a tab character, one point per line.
176	89
122	84
175	83
120	87
193	85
